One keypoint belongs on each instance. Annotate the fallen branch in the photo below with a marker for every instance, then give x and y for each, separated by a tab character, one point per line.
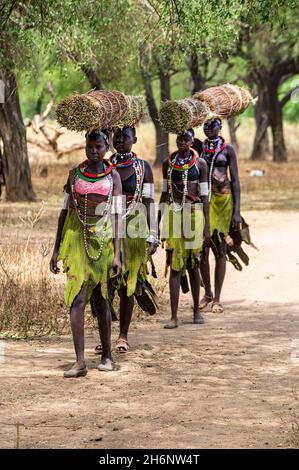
70	148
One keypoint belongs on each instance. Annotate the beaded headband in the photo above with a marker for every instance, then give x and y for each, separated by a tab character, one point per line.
98	133
189	133
211	122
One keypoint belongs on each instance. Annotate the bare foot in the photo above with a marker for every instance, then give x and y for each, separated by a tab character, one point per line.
171	324
107	365
122	345
197	317
78	370
217	307
207	298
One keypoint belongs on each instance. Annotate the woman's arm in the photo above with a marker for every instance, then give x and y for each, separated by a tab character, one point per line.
236	191
204	192
163	197
148	201
61	219
117	194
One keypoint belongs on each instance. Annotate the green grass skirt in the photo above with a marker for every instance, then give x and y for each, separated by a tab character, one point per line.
183	236
79	268
134	251
221	212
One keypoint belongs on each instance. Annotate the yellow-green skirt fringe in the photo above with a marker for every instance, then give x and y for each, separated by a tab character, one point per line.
221	213
183	233
134	251
79	268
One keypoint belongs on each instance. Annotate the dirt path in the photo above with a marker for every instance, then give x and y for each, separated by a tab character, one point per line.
232	382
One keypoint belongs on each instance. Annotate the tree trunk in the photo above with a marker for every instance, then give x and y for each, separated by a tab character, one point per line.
164	86
197	79
232	126
275	121
162	140
162	144
261	141
13	133
92	76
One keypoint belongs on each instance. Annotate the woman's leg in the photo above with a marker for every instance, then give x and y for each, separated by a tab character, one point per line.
205	275
174	287
125	317
220	270
194	278
104	322
77	326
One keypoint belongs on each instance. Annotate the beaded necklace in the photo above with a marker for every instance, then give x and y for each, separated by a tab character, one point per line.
123	164
92	177
174	164
220	145
177	164
135	162
90	226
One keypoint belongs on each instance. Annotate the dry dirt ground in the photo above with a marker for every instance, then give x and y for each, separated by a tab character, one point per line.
230	383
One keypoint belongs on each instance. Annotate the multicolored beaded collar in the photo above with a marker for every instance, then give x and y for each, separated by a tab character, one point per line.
91	177
184	167
213	147
125	164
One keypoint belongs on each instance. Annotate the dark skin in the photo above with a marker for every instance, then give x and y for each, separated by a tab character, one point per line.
96	147
184	144
123	140
229	157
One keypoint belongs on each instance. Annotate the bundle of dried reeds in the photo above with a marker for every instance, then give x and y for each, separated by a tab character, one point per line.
92	110
225	100
136	110
177	116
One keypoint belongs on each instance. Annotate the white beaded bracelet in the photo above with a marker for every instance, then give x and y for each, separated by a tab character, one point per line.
164	186
204	189
66	201
148	190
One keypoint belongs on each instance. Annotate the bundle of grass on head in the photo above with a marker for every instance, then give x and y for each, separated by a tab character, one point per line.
225	100
135	111
177	116
92	110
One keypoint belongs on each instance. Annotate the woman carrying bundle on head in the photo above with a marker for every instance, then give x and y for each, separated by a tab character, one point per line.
85	244
185	220
224	207
140	238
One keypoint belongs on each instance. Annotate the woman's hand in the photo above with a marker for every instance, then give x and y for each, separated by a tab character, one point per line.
116	267
53	263
237	221
152	248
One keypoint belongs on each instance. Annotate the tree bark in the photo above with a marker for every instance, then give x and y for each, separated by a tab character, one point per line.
232	126
276	123
197	78
269	108
261	111
13	133
92	76
162	139
91	73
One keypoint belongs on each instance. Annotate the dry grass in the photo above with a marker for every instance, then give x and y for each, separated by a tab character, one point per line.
31	303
